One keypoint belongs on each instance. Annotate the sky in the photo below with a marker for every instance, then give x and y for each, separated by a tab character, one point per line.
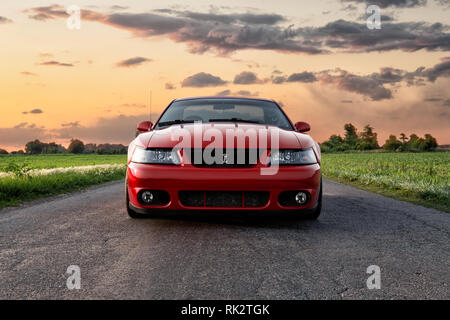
318	59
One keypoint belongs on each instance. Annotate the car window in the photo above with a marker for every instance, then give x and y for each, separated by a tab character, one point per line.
257	111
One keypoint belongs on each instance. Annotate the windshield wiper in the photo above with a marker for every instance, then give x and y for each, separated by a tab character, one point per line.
178	121
233	120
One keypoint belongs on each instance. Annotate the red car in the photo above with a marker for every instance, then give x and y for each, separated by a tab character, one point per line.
222	154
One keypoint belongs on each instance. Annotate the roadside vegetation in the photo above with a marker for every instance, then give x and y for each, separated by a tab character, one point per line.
421	178
28	177
408	168
367	140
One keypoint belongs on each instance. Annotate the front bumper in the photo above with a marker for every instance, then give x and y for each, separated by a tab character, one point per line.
174	179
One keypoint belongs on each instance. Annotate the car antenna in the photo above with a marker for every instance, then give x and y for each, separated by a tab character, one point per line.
150	105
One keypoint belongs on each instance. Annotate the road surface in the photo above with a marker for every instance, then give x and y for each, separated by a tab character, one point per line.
224	257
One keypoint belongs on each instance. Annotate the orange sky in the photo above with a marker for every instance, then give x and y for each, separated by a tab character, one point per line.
58	83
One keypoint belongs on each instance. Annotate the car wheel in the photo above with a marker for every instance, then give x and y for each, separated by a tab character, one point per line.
133	214
316	213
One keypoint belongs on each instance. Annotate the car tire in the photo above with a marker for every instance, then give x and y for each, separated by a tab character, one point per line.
133	214
316	213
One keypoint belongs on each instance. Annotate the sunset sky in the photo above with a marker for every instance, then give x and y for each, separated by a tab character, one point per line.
317	58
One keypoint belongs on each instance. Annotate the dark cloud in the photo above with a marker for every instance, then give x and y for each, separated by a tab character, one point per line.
406	36
346	101
392	3
305	77
55	63
33	111
364	85
201	80
446	103
27	73
432	99
4	20
132	62
302	77
249	18
247	77
226	33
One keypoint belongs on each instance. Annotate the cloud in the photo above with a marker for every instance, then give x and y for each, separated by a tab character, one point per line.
169	86
201	80
120	129
117	7
244	93
27	73
132	62
4	20
70	124
12	136
55	63
33	111
432	99
302	77
306	77
392	3
446	103
247	77
133	105
364	85
227	33
346	101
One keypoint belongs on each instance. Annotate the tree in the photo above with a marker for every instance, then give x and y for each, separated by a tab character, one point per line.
367	139
350	136
403	137
33	147
3	151
75	146
392	143
430	143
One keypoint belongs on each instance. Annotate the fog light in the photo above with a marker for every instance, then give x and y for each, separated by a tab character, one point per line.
147	196
301	197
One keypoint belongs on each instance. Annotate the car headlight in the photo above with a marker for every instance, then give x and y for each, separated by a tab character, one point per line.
293	157
155	156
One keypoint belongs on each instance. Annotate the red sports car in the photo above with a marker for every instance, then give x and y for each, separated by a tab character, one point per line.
221	154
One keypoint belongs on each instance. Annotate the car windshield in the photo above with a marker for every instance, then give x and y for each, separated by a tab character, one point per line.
224	110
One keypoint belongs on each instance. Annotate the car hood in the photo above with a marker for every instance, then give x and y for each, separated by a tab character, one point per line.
166	138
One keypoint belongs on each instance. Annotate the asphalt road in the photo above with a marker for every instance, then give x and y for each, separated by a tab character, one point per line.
224	257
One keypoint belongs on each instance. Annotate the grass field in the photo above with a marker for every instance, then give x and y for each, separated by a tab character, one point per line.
422	178
22	177
48	161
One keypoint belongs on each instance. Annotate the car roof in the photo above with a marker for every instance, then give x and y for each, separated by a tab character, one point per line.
223	98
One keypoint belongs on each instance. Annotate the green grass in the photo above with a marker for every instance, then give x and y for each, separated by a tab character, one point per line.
421	178
47	161
22	186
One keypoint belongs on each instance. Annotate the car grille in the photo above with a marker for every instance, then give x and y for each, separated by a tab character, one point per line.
226	199
234	158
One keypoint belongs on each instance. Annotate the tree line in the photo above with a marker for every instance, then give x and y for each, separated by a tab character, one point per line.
367	140
76	146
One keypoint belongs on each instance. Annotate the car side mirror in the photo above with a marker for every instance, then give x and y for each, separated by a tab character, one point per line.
302	126
144	126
